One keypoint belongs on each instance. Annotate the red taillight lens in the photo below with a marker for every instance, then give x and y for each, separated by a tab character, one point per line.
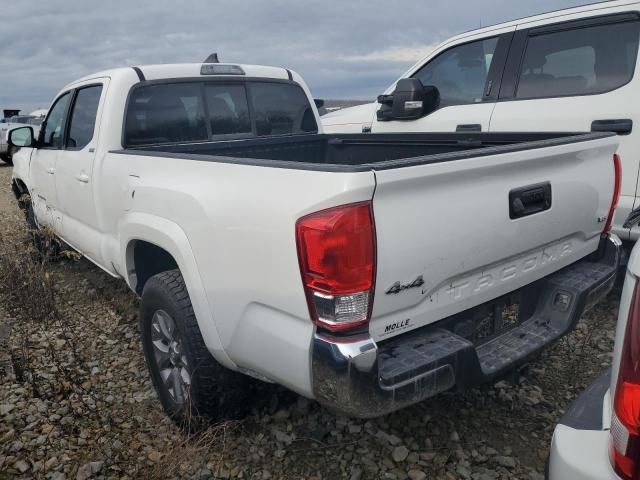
336	251
617	169
625	424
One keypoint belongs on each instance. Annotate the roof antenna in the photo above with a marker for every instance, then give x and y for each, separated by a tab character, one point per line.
213	58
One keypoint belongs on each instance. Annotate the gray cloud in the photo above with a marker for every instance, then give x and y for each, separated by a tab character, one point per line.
344	49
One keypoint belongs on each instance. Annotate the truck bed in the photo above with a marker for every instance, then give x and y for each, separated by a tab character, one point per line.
460	219
360	152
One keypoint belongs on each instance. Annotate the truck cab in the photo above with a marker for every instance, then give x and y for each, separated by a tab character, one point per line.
568	70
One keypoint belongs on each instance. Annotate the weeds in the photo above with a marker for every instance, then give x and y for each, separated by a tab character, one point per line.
56	343
28	286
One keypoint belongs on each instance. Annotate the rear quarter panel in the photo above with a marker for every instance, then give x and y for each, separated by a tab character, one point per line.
240	224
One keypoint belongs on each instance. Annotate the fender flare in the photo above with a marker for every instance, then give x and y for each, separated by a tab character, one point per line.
19	187
170	237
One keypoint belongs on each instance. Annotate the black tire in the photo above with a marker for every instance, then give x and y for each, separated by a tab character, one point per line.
215	393
6	158
46	244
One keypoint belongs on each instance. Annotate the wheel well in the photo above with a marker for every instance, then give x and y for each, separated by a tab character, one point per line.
19	188
149	260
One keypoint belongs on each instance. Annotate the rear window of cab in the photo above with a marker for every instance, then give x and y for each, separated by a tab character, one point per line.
201	111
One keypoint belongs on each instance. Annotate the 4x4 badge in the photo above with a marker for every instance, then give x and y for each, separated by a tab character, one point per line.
399	287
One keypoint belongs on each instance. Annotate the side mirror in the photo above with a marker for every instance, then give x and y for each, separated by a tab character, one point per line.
21	137
409	101
319	102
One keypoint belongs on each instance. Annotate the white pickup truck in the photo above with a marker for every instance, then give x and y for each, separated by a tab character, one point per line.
263	248
572	70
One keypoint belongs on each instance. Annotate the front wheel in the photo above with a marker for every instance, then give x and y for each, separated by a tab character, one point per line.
43	239
190	384
6	158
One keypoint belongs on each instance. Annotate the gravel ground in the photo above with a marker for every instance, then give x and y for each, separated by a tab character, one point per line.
76	400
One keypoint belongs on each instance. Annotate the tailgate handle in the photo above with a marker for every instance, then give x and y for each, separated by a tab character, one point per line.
529	200
621	126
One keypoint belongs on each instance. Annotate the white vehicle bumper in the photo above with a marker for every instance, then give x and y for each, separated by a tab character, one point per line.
580	444
580	455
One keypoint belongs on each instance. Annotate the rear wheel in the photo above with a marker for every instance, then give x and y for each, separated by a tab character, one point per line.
190	384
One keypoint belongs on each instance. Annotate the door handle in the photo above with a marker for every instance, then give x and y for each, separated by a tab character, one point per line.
83	177
51	170
469	127
621	126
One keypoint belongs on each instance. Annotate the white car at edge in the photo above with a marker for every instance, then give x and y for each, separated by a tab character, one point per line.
599	435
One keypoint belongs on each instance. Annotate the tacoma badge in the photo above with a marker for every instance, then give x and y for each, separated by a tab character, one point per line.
399	287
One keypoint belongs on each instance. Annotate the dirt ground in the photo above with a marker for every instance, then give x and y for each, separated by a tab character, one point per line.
76	400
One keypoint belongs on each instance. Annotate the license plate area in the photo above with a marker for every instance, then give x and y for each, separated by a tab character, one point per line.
489	320
495	318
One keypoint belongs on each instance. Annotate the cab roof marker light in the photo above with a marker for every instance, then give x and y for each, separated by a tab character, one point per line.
218	69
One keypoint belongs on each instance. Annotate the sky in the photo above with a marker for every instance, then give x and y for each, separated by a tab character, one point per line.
343	48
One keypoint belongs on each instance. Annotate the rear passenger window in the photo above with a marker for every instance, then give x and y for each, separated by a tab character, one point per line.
228	109
281	109
83	117
165	113
582	61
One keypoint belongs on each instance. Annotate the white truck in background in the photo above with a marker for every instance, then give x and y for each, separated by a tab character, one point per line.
35	118
262	247
572	70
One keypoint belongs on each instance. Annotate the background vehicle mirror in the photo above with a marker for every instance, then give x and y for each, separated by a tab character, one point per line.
409	101
21	137
431	99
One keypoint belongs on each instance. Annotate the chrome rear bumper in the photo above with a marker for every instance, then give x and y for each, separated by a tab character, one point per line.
360	378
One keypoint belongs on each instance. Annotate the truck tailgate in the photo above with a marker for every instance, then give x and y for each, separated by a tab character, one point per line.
454	234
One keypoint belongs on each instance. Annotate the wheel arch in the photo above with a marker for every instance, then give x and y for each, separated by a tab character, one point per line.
19	188
159	244
144	260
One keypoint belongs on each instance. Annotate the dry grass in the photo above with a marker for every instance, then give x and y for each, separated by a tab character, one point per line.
49	335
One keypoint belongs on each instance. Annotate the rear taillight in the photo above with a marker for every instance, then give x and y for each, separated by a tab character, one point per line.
337	255
617	170
625	423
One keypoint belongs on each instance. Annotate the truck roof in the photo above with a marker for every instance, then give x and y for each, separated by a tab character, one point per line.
553	14
189	70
